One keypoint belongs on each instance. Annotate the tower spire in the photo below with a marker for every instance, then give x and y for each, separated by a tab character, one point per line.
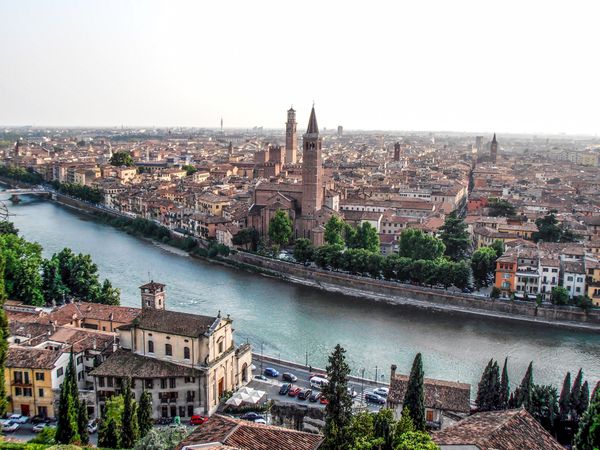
313	128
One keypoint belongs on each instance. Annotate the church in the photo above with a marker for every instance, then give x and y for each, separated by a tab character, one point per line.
306	204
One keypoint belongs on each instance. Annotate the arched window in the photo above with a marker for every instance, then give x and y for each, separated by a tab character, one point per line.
168	350
150	347
221	345
186	353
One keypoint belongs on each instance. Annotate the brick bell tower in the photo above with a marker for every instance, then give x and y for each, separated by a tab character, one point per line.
312	168
291	137
153	295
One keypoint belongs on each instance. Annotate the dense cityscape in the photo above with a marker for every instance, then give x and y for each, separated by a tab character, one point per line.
195	254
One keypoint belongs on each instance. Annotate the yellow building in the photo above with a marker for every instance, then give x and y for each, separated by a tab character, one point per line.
593	281
33	378
211	204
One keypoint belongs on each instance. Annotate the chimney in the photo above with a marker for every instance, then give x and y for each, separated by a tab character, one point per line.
393	372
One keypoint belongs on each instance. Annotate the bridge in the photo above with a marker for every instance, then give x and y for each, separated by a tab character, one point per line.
16	193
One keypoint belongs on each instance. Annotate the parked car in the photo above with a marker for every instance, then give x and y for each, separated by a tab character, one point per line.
304	394
381	391
323	400
40	426
352	392
39	419
260	377
315	396
261	421
10	426
18	418
294	391
198	419
285	388
318	382
252	416
92	427
289	377
374	398
270	372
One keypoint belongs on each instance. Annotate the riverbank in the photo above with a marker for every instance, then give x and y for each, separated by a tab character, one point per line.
374	290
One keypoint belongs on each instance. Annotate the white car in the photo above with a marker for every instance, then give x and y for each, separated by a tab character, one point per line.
92	427
382	391
10	426
40	426
18	418
262	421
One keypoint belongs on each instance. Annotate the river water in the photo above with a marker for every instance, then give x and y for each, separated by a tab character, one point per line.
304	324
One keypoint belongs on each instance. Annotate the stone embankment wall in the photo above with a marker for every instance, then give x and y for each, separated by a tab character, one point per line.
425	297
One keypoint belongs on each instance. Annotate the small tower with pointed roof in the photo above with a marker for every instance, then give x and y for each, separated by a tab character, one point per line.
494	149
153	295
312	168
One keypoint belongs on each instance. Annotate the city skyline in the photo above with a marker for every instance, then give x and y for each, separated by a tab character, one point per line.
517	69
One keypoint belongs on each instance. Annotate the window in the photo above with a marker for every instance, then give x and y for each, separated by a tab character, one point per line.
40	392
39	376
189	380
172	383
26	377
163	383
186	353
150	347
27	392
181	411
18	377
429	415
577	289
221	345
79	360
190	410
569	278
168	350
149	384
109	381
18	392
554	270
101	381
579	279
59	372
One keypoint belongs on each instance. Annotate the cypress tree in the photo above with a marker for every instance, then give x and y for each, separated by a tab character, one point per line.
483	388
504	394
110	436
584	400
414	399
82	423
67	426
564	401
576	395
131	431
588	435
145	420
339	409
523	392
4	333
488	392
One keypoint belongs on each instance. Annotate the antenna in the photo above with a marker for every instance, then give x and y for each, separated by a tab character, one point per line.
149	278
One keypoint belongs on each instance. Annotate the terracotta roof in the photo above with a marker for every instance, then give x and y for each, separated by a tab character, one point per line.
123	363
439	394
498	430
246	435
173	322
31	358
152	285
84	310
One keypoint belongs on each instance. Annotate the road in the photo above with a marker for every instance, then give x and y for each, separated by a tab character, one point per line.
25	433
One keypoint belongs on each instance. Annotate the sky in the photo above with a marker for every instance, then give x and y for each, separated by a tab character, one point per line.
506	66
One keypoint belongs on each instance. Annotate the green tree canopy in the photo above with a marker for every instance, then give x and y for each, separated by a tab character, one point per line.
523	393
334	231
455	237
415	440
22	279
588	435
500	207
488	390
280	228
7	227
415	244
483	265
544	406
559	295
145	420
109	431
338	411
121	159
67	426
414	398
129	420
365	237
304	251
247	237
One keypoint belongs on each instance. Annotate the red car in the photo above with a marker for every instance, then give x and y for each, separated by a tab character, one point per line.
323	400
294	391
198	420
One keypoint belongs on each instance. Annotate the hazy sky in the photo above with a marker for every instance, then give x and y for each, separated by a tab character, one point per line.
506	66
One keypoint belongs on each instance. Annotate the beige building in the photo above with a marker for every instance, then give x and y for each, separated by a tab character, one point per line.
186	361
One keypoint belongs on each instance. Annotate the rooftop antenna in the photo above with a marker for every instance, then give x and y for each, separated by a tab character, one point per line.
149	278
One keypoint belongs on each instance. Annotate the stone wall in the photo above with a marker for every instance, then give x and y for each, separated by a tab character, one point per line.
420	296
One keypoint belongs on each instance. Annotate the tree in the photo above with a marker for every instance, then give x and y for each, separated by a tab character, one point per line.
548	229
82	423
280	228
334	229
145	419
52	286
245	237
588	435
67	427
189	169
584	401
544	407
576	395
383	427
129	419
504	393
338	411
304	251
414	398
109	432
559	296
523	393
498	247
564	401
4	334
415	440
483	265
361	432
121	159
501	207
404	425
415	244
488	390
461	272
109	295
162	439
495	293
455	237
365	237
22	262
7	227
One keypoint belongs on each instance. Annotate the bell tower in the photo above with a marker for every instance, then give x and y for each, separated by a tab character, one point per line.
312	168
153	295
291	137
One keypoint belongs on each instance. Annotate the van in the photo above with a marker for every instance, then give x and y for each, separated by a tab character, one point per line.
318	382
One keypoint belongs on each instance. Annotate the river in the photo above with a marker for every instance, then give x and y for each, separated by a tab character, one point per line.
300	323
